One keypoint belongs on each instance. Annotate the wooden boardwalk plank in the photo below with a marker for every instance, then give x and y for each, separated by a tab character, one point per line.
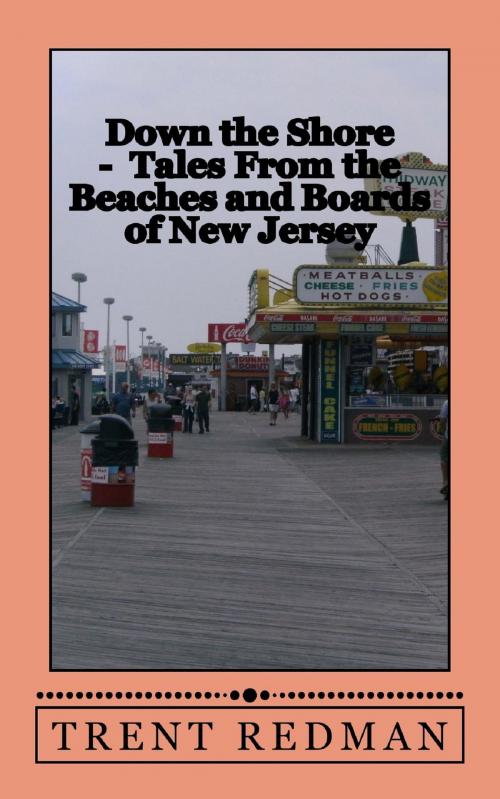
253	549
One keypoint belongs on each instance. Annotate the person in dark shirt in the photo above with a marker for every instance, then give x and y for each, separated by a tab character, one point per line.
273	403
202	409
123	403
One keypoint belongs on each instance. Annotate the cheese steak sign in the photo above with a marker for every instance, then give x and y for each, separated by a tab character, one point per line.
228	333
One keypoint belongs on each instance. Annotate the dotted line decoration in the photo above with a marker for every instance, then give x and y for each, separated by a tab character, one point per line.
249	695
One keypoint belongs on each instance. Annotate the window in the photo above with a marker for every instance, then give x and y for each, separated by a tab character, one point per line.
67	324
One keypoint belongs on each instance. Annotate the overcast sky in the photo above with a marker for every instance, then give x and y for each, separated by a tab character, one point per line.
174	290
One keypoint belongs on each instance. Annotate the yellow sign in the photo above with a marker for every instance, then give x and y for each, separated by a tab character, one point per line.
417	174
204	347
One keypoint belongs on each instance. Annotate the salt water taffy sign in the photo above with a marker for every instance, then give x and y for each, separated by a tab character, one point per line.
409	286
422	175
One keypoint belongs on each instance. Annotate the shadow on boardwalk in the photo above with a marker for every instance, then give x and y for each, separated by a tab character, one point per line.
253	549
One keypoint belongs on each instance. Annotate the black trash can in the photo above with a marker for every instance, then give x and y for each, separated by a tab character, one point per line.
161	428
115	454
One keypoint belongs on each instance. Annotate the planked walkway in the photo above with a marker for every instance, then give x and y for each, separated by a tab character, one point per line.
253	549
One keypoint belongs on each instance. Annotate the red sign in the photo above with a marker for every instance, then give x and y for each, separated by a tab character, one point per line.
437	318
91	341
120	353
255	362
228	333
151	364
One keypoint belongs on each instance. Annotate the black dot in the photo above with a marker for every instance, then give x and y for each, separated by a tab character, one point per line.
311	695
208	694
410	695
224	696
59	694
282	695
439	695
79	695
390	694
216	695
430	695
69	695
109	695
99	695
198	695
178	695
128	695
301	695
234	695
351	695
449	695
370	694
264	695
291	694
249	694
331	695
39	695
168	695
361	695
158	695
380	694
400	695
50	695
148	695
89	694
138	694
460	695
340	695
420	695
188	695
321	695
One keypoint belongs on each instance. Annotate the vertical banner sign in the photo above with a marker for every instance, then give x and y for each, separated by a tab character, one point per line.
330	391
91	341
120	353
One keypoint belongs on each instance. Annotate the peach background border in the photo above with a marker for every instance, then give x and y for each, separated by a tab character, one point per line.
29	30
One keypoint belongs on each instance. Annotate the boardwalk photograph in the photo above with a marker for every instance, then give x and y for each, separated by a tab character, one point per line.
249	267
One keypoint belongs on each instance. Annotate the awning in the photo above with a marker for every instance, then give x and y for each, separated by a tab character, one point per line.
72	359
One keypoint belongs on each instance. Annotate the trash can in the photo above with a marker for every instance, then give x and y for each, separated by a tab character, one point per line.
176	404
115	454
161	428
87	434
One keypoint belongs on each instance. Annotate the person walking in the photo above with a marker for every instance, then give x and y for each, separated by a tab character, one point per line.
202	409
74	406
273	403
149	400
284	402
445	450
262	400
188	410
123	403
254	399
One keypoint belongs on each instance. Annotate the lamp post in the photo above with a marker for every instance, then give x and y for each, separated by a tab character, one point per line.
150	338
109	302
142	330
79	278
127	318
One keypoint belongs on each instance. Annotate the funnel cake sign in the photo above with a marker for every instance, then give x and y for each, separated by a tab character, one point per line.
406	286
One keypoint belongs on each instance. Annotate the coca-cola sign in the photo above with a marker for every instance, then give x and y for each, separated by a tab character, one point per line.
228	333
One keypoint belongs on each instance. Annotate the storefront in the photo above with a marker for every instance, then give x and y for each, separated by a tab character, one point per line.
349	318
243	371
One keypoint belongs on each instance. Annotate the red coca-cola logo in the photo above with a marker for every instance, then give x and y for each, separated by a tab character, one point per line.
226	333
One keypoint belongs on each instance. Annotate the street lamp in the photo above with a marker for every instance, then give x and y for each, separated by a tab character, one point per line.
79	278
150	338
109	302
142	331
127	318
